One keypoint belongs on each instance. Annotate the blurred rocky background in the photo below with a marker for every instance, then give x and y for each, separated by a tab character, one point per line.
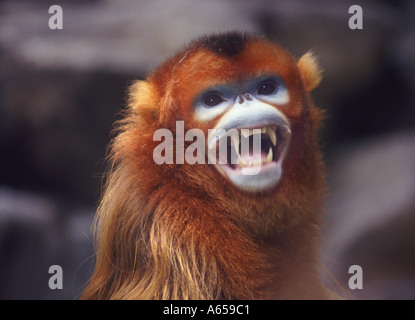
60	91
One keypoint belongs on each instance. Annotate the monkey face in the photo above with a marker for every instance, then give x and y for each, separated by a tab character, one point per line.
253	131
241	91
245	102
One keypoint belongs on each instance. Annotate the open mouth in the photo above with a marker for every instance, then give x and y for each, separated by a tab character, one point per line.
253	157
243	148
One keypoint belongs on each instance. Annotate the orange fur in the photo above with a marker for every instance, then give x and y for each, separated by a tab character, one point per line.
180	231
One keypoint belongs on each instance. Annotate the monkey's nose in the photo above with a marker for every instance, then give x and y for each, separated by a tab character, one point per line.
248	96
245	96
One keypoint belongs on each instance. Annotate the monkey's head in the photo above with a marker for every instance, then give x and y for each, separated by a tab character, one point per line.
255	146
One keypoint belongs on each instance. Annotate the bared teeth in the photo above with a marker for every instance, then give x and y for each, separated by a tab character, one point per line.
250	132
272	135
270	130
243	163
235	142
256	162
246	132
269	156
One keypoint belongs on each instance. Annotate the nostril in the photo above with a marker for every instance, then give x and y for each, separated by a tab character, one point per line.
248	96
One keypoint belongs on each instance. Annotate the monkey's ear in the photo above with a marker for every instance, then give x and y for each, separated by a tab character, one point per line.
310	71
143	99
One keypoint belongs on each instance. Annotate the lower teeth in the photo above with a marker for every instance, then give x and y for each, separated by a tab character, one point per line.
254	162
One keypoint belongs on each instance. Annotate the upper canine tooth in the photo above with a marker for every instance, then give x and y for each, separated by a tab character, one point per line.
272	135
269	130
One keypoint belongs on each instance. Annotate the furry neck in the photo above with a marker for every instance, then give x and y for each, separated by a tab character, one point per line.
198	252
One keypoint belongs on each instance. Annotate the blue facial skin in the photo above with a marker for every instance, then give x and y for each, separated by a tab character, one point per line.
215	100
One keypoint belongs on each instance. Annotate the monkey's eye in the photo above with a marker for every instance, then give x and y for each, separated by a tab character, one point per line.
267	87
213	99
